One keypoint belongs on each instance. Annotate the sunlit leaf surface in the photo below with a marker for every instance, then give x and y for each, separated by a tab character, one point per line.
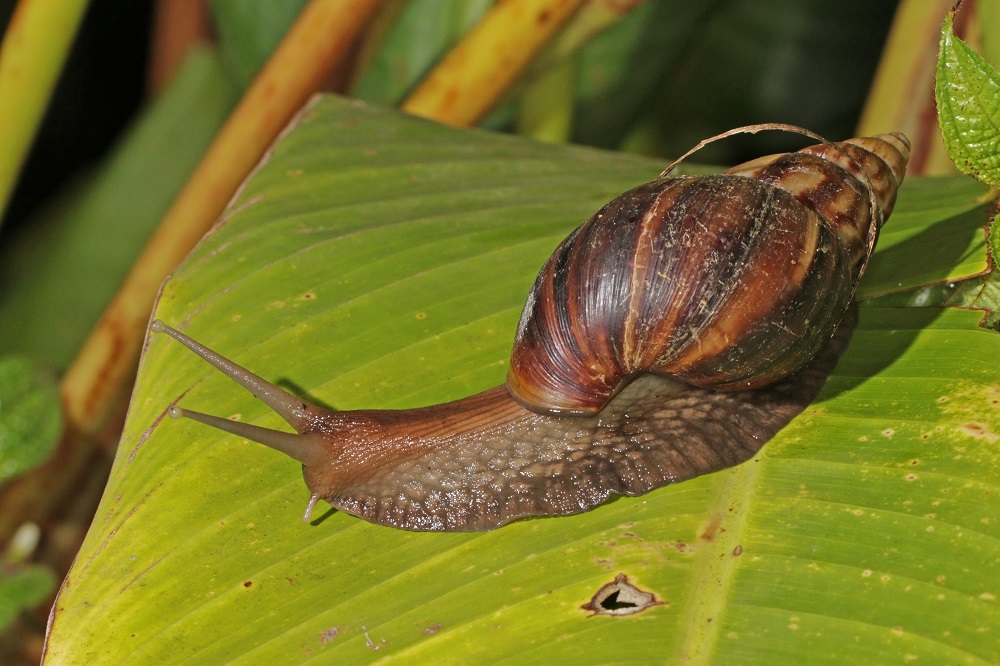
377	260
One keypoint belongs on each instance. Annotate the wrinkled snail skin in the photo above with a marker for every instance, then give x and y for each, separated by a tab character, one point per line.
669	336
505	462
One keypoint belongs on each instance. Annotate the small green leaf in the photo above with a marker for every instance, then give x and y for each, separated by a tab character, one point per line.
21	589
30	416
968	101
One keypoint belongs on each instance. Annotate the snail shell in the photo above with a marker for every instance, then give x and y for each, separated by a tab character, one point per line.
728	282
671	335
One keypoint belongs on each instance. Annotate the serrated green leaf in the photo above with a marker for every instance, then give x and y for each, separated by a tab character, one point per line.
377	260
983	292
30	415
967	91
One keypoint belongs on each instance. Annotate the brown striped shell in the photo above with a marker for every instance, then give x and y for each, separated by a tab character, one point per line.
729	281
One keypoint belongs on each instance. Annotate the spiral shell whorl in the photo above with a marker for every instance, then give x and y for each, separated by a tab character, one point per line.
837	181
731	281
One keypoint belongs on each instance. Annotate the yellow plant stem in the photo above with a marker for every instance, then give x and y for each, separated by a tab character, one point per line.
902	95
546	105
474	75
320	36
34	48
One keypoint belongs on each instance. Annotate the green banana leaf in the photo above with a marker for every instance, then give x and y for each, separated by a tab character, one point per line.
378	260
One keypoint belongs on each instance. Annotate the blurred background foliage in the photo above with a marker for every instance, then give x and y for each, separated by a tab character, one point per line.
147	86
665	76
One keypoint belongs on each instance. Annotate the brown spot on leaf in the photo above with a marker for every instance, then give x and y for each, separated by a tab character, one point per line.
977	430
708	531
738	550
620	597
328	635
247	583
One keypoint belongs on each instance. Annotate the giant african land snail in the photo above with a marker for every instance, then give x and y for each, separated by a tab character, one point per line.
671	335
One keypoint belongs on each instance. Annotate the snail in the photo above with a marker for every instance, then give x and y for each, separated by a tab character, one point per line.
670	335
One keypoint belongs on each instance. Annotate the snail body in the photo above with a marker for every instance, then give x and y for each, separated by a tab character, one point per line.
671	335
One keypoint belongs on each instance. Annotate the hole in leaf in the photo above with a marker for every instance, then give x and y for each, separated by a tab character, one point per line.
612	603
620	597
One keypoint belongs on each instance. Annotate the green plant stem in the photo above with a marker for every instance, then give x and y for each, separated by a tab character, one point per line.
34	49
546	109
